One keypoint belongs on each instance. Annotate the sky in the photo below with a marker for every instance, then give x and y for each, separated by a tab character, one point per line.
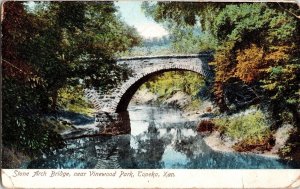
133	15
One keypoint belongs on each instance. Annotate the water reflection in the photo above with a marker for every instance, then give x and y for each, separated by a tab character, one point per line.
160	138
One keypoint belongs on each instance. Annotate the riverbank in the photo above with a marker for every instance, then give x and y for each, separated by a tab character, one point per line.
216	139
220	142
79	124
192	109
216	143
160	138
72	125
68	124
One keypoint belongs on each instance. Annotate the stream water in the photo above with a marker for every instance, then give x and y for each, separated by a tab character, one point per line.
160	138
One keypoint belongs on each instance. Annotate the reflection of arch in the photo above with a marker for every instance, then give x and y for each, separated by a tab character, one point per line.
128	89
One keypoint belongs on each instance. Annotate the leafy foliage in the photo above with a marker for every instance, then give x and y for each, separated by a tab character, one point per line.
256	42
46	48
272	36
79	46
23	88
185	25
183	12
256	50
188	39
248	63
168	83
72	98
152	46
251	41
22	126
250	129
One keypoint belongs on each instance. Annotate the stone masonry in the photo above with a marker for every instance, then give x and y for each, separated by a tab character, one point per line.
111	104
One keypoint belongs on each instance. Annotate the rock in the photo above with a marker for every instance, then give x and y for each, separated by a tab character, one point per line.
179	99
64	122
281	136
207	106
208	109
215	142
143	97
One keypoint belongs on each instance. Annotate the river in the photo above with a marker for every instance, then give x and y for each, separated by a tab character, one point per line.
161	138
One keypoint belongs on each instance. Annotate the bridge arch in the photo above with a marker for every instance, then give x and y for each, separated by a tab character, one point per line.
112	105
129	88
117	99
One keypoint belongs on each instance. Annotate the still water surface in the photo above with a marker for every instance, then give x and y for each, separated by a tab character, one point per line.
160	138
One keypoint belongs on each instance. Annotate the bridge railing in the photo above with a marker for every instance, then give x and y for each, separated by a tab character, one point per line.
204	54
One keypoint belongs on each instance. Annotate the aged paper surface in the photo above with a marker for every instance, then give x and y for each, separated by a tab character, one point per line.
179	179
153	178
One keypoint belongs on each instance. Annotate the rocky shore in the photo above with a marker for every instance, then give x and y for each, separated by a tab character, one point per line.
75	125
218	142
207	111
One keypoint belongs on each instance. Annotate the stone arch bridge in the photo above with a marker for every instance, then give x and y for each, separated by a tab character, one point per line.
112	106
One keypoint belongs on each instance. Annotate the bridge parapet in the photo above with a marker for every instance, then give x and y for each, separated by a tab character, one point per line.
139	63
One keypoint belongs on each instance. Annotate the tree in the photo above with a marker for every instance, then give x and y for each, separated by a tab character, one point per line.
185	26
23	88
79	40
54	45
259	39
257	45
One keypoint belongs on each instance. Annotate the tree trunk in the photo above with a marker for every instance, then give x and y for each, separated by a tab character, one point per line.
54	100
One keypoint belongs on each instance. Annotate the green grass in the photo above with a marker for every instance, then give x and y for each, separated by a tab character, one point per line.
168	83
194	105
72	99
250	129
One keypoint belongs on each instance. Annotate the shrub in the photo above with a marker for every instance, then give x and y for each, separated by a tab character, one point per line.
291	150
250	130
72	99
194	105
168	83
12	158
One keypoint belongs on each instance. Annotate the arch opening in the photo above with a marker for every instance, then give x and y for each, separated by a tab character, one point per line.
125	98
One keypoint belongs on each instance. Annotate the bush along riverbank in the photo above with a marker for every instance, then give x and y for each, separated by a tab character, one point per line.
73	117
246	131
175	88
